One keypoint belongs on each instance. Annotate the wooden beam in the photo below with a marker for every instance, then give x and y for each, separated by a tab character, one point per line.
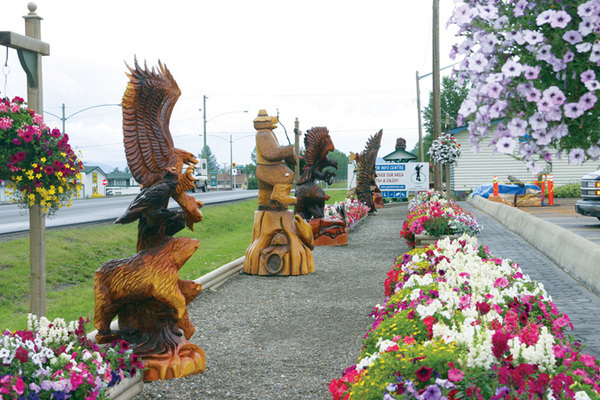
21	42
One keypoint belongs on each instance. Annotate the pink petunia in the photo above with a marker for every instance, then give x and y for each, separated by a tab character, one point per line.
6	123
455	375
501	282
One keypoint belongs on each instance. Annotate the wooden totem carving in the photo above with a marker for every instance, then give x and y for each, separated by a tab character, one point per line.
144	290
311	197
281	243
366	189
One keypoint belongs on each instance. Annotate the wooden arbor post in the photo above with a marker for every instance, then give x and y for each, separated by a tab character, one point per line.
30	49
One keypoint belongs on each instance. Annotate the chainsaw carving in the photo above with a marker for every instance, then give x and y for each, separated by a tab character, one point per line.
144	290
311	197
366	189
281	243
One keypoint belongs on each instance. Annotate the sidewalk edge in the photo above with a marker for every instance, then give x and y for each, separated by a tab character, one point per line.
579	257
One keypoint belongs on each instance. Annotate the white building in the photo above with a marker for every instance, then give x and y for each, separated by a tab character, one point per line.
93	181
472	170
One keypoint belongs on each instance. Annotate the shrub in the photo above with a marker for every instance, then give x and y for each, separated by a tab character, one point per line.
570	190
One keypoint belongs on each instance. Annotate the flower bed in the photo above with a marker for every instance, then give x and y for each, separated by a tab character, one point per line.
355	211
458	323
53	360
430	214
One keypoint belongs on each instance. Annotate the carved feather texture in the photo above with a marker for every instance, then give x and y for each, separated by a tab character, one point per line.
365	165
147	106
317	143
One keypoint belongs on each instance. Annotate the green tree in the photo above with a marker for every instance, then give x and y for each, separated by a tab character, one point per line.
451	97
211	159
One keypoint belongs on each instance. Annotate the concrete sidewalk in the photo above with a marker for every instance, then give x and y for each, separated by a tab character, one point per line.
570	296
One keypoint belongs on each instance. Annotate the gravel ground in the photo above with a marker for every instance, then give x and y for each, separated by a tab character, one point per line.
288	337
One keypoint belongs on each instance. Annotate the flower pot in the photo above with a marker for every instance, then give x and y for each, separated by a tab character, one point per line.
127	389
422	241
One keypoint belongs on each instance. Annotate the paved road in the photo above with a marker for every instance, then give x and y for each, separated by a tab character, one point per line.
563	214
13	219
571	298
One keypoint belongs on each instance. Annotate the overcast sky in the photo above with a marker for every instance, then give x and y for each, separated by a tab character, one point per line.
347	65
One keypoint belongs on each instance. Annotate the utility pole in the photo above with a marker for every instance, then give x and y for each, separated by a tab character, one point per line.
204	116
421	151
437	105
297	151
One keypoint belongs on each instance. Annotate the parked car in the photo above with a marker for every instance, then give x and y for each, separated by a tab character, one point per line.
589	204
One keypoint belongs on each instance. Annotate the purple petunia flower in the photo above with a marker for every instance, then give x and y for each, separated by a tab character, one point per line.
592	85
506	145
560	19
544	17
532	37
572	37
432	392
586	9
587	101
555	95
587	76
531	72
537	121
517	127
512	68
595	53
593	152
576	156
494	90
573	110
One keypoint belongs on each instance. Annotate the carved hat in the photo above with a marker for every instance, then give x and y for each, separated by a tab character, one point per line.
263	120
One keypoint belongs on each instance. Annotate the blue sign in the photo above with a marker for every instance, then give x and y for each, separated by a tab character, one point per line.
392	187
389	194
390	167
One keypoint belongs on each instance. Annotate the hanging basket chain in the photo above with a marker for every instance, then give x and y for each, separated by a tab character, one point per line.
6	72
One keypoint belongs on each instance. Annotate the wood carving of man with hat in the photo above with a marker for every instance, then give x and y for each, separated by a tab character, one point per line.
275	179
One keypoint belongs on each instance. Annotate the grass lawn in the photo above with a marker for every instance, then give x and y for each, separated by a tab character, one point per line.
74	255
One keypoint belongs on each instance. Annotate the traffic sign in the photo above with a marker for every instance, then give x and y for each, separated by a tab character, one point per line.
104	182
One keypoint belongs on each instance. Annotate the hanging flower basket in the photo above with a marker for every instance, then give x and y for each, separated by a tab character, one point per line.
36	162
445	150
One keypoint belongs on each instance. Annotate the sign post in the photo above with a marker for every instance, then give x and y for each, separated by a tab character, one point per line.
396	180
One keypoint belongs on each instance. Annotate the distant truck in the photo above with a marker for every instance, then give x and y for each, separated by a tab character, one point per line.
201	176
589	204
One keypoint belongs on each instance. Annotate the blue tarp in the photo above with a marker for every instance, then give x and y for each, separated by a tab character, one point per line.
488	189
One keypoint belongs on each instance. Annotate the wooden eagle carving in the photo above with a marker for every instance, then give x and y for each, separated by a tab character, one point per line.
147	104
366	184
310	197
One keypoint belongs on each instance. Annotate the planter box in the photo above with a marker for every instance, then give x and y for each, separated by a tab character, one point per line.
422	241
127	389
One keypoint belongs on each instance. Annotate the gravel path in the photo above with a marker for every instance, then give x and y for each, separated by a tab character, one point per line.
288	337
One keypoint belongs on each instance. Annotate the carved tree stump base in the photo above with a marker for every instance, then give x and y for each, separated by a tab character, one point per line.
378	200
281	245
185	360
329	231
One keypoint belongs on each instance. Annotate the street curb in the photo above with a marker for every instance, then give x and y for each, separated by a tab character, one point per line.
579	257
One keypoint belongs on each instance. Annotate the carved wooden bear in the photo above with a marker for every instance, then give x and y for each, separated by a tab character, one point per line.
150	274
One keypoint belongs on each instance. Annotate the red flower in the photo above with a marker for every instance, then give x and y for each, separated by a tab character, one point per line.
423	374
482	307
22	354
49	170
500	343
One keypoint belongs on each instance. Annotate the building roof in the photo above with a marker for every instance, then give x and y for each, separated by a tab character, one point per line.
400	155
87	169
119	175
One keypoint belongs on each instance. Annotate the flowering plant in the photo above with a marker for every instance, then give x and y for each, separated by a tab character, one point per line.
444	150
458	323
533	65
457	219
424	197
53	360
355	211
38	163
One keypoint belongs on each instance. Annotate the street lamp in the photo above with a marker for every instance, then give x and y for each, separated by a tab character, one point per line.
65	118
216	116
230	152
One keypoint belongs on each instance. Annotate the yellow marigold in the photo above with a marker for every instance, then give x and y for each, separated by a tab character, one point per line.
43	159
38	176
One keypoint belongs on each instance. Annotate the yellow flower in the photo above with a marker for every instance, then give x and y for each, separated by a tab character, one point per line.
34	165
43	159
